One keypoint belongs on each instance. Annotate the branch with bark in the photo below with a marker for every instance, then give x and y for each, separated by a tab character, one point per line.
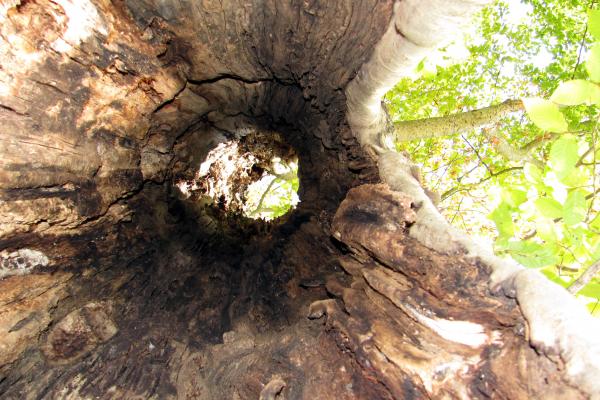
510	152
585	278
426	128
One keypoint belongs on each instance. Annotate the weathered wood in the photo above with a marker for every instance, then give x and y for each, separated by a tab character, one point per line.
429	323
112	286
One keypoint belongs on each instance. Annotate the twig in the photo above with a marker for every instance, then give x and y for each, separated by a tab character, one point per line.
457	189
585	278
580	50
262	198
582	43
541	139
477	154
594	176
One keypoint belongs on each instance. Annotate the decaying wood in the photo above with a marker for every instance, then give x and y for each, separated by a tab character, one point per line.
413	315
114	286
559	326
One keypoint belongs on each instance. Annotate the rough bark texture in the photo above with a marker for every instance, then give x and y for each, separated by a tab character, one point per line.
112	286
454	124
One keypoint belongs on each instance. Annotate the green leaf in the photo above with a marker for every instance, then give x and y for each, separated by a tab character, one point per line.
549	208
575	92
502	217
532	173
574	209
595	224
592	64
514	197
533	255
592	289
545	115
563	156
594	23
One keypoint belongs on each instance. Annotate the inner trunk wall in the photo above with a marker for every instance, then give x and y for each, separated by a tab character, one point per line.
106	126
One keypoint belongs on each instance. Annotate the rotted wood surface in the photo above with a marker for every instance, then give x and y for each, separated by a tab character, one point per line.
425	324
113	287
103	106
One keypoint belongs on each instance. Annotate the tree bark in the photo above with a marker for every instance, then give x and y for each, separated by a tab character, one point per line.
454	124
585	278
115	286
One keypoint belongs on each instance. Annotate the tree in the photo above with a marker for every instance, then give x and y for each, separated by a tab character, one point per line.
497	151
275	193
116	286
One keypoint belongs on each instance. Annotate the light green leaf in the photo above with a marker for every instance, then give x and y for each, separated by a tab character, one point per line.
532	173
549	208
534	255
595	251
592	289
574	209
575	92
592	64
595	224
514	197
551	274
546	229
502	217
577	178
594	309
594	23
420	66
545	114
563	156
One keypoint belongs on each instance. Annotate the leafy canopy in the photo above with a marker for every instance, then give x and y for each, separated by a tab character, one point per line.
529	182
275	193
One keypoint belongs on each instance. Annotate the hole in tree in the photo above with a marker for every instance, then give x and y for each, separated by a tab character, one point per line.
254	175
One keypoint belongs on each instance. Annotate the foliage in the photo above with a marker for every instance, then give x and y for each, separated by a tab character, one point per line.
275	193
545	213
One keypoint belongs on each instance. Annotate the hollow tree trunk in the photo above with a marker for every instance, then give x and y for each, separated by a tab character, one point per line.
114	286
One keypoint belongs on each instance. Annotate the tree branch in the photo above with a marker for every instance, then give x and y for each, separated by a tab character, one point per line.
477	154
585	278
262	198
425	128
461	188
511	153
538	141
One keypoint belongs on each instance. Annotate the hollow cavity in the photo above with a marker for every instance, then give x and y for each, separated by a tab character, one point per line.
254	175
